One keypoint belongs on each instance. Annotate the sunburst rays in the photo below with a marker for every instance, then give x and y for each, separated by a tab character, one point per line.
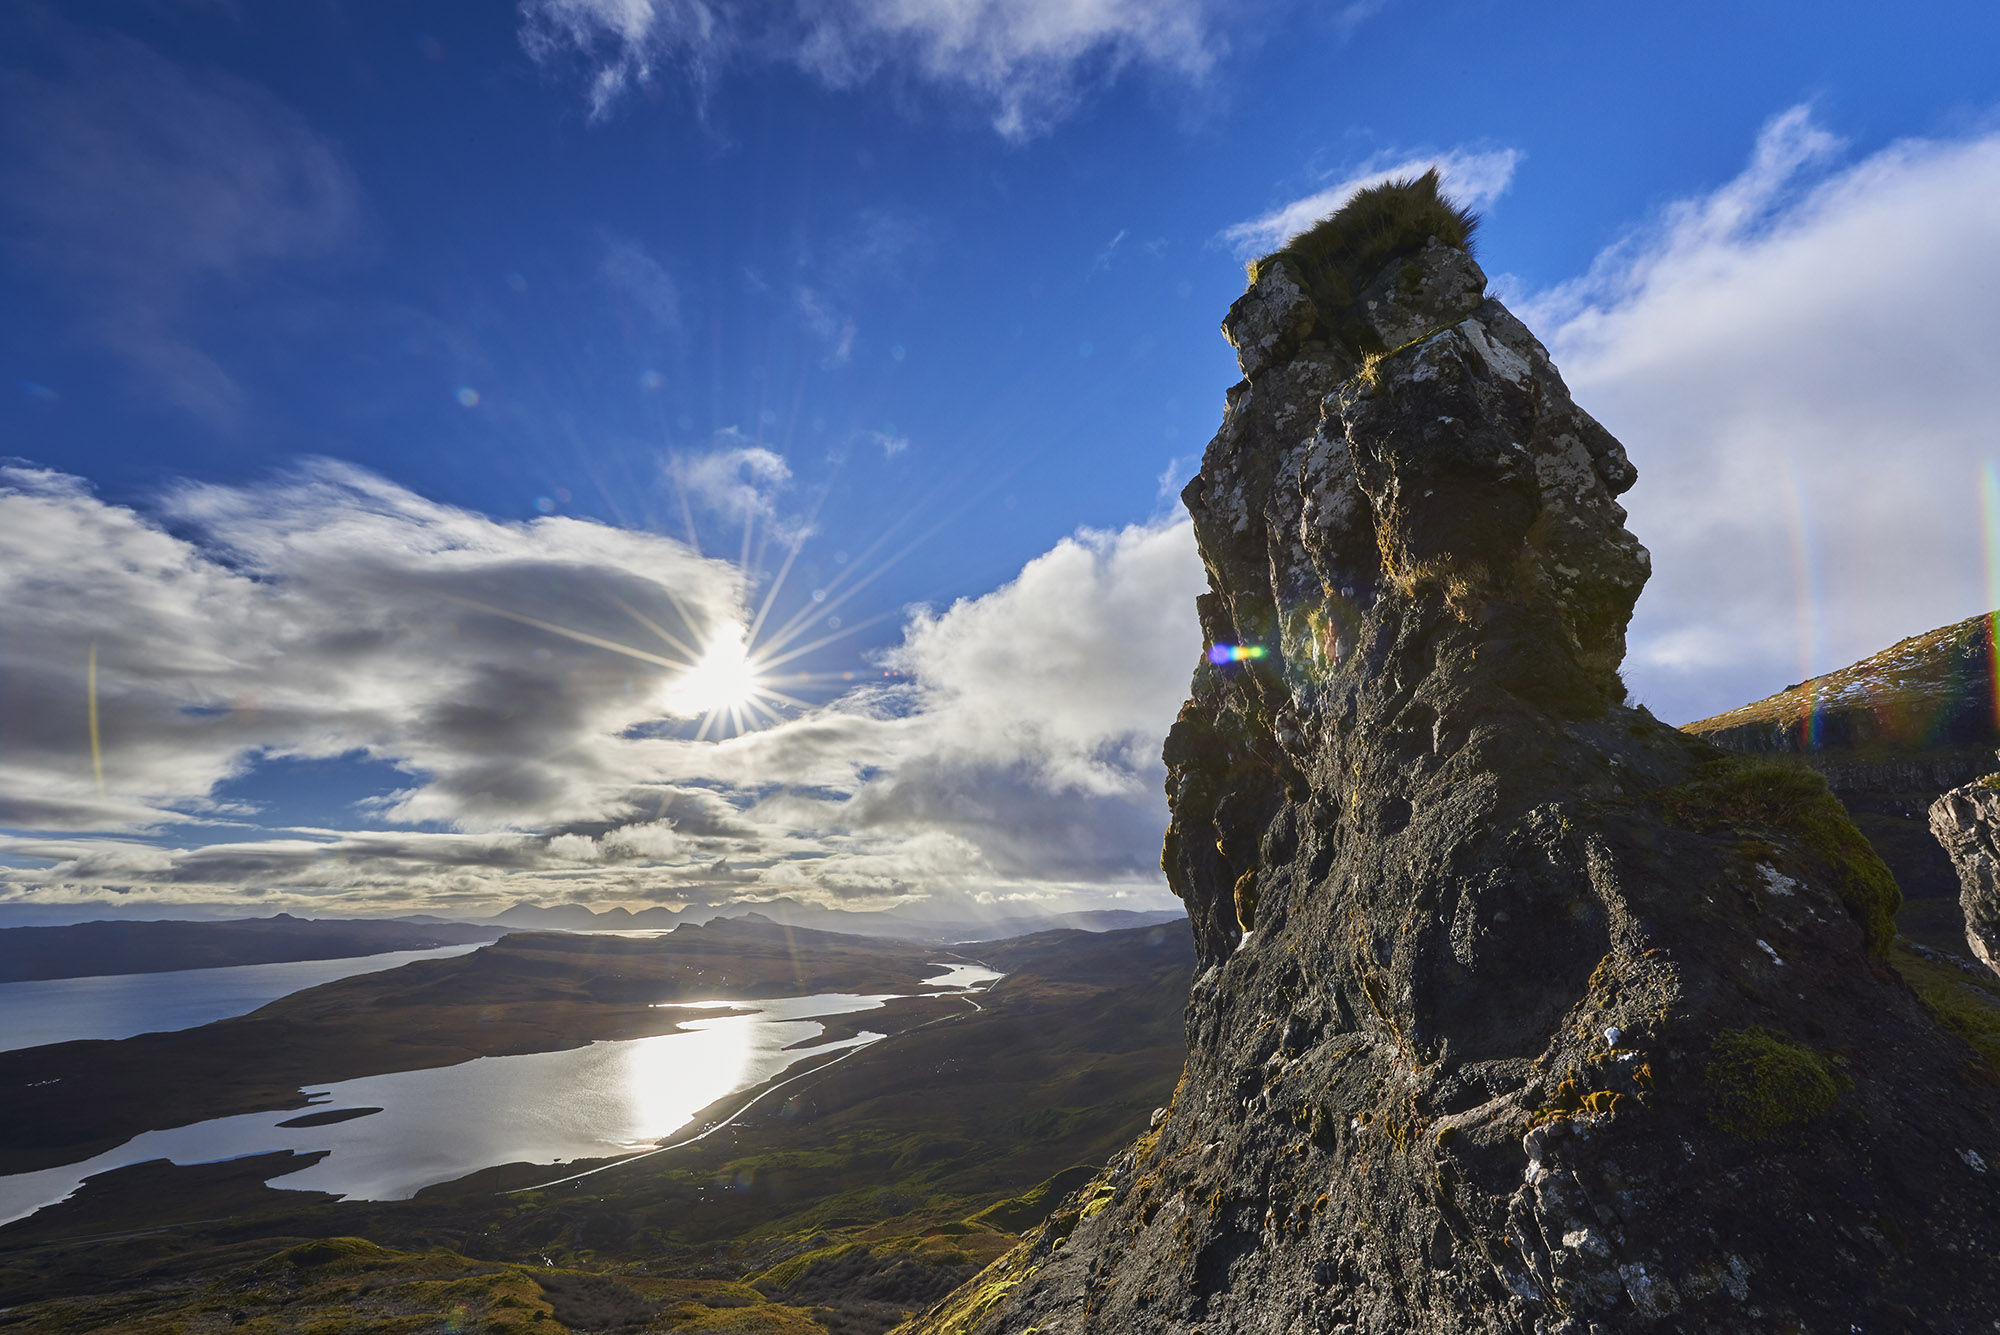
724	675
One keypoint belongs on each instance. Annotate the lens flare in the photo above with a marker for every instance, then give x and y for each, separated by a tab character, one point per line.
1989	503
1805	579
1234	653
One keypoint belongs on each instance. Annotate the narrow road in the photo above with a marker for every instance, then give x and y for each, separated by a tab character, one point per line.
761	1094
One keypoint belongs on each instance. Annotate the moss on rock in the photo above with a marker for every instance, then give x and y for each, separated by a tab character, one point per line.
1967	1001
1762	1085
1337	256
1735	791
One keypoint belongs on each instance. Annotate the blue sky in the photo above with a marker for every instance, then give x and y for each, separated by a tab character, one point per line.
375	373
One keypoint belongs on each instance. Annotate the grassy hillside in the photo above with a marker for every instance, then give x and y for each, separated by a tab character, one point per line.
1931	693
1890	733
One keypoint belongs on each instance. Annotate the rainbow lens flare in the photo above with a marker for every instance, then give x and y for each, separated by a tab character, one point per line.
1234	653
1989	504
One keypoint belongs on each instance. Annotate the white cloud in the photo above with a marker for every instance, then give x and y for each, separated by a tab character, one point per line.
1024	60
739	482
332	614
1072	666
623	43
1035	725
135	185
324	615
1800	364
1470	179
1022	754
1173	479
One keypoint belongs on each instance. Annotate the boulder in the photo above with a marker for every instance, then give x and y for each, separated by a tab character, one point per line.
1966	821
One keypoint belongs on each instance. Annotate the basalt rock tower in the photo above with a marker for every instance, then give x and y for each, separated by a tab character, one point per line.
1517	1010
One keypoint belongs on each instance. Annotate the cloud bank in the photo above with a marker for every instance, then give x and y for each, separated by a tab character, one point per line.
516	675
1800	364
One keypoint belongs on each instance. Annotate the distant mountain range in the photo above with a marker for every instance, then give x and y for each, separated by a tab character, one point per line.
124	946
900	924
89	949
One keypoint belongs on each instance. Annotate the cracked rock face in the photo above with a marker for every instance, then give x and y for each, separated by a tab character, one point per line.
1967	822
1517	1010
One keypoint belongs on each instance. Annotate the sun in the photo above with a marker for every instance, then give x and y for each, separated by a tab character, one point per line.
724	680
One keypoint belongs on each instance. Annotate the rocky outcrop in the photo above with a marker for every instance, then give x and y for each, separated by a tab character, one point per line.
1517	1010
1967	822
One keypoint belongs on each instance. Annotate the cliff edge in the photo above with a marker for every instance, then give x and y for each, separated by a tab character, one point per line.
1517	1010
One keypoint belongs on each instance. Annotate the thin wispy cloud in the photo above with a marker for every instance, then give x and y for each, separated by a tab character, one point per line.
137	187
874	246
737	481
1798	362
632	272
1027	62
622	45
1103	258
1471	178
874	250
833	327
1352	15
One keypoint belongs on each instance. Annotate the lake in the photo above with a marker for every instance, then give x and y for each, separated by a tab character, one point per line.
57	1010
609	1098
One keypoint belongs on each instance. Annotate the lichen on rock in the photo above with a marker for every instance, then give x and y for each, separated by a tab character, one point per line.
1479	941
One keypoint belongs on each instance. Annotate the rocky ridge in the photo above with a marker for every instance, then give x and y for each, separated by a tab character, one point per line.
1517	1010
1890	734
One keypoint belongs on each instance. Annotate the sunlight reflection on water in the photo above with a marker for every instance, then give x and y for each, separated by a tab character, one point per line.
962	975
545	1107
